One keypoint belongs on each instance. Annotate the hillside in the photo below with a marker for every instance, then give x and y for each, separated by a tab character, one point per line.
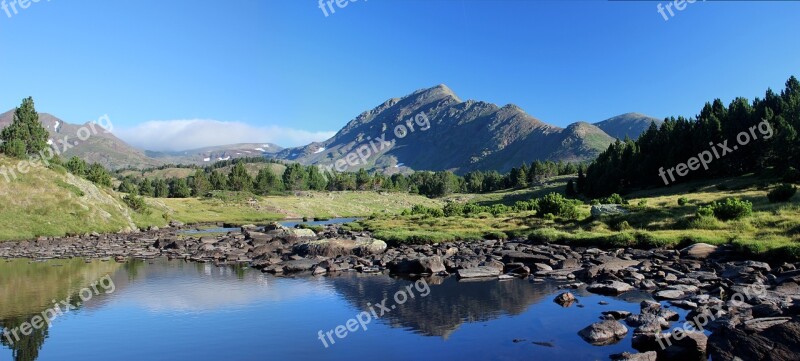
100	146
45	202
460	136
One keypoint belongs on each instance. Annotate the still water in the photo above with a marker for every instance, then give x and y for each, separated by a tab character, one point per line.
173	310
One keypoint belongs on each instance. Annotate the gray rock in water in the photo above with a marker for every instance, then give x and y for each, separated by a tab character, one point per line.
645	356
565	299
478	272
610	288
604	333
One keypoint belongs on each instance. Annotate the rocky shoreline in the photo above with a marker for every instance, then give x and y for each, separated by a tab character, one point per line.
761	324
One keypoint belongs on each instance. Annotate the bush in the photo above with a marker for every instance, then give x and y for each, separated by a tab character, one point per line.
642	203
792	175
499	209
557	205
453	209
427	211
705	211
782	193
495	235
525	206
613	199
682	201
623	226
732	208
135	202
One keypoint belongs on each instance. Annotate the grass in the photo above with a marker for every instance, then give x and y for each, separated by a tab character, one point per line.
773	231
43	202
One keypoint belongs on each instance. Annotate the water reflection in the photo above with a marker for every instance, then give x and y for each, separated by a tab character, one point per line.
169	305
27	289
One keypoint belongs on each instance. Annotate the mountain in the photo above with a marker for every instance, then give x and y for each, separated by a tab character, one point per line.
210	155
98	146
630	125
455	135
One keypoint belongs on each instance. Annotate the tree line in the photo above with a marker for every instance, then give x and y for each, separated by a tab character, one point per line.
297	177
630	164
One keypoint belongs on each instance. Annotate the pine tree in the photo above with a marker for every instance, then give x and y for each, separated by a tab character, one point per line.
218	181
239	179
25	135
267	182
200	183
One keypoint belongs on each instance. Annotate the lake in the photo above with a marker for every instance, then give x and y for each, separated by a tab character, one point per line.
174	310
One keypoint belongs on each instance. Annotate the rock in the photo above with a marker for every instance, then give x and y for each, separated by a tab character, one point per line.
301	233
685	346
601	210
369	247
604	333
625	356
669	295
299	265
761	324
478	272
698	251
431	265
565	299
617	315
522	257
610	288
176	224
781	342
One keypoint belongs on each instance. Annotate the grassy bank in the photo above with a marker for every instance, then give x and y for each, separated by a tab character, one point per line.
248	208
656	219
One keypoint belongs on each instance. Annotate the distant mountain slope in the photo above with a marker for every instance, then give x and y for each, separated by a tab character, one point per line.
100	146
463	136
209	155
631	125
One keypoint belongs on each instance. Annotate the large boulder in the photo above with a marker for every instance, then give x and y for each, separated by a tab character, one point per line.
698	251
781	342
601	210
422	265
340	247
604	333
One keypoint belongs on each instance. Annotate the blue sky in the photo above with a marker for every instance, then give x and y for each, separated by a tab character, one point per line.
281	71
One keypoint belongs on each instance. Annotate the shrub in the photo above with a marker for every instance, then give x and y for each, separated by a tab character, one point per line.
135	202
472	208
782	193
499	209
732	208
557	205
682	201
524	206
705	211
792	175
613	199
642	203
496	235
623	226
427	211
453	209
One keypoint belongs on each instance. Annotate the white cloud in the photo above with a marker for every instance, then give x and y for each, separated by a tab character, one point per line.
175	135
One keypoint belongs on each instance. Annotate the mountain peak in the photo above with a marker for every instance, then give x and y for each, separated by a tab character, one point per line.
439	91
